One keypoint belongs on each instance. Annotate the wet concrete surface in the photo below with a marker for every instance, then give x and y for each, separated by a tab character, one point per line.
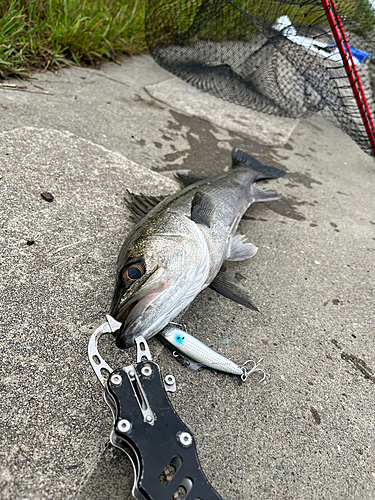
265	128
308	430
209	149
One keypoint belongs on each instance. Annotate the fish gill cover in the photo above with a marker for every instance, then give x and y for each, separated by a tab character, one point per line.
278	57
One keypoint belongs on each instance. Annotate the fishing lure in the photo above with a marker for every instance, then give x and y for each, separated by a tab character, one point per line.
196	350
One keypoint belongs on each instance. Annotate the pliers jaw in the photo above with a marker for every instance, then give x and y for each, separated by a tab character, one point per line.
101	368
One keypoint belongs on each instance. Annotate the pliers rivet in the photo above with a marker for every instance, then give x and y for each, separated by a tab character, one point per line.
116	379
185	438
124	425
146	371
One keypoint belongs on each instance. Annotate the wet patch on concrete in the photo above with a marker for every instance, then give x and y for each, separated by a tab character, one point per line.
286	206
208	155
305	180
176	156
357	363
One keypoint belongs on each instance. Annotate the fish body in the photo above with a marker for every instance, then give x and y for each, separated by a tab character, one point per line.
193	348
178	248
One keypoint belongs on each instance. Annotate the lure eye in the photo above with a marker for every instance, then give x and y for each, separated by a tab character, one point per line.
133	272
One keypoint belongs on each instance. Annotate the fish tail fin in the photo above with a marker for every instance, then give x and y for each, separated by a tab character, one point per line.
261	194
242	159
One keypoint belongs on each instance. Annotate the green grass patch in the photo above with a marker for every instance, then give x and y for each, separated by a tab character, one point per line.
38	34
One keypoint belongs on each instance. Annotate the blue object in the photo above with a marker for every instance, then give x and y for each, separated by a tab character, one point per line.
361	55
179	339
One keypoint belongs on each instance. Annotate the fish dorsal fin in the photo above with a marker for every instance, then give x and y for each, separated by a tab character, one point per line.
242	159
188	179
140	204
241	249
202	209
231	289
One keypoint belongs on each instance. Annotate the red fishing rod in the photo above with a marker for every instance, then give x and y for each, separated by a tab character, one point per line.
351	71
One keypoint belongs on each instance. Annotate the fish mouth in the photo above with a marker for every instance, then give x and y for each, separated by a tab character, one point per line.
127	316
131	308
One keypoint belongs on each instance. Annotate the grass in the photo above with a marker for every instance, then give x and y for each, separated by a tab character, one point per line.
41	34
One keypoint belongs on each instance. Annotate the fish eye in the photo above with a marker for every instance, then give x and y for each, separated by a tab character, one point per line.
133	272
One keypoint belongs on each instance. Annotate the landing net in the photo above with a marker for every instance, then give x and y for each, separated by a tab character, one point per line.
289	58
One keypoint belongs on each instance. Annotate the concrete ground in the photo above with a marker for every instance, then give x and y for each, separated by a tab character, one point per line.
86	136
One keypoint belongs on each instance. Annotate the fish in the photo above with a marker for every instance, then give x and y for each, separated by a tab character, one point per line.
180	243
195	350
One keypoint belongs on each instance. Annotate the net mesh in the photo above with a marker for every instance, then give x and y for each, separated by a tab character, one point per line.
278	57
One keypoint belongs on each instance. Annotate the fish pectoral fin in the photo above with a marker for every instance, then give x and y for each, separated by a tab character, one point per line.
188	179
232	290
241	249
202	209
261	194
140	204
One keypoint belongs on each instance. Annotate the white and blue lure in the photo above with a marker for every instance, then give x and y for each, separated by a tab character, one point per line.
196	350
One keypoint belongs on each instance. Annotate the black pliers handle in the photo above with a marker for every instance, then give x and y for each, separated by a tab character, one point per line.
146	427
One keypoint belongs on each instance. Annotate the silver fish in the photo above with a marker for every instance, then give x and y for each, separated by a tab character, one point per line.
178	247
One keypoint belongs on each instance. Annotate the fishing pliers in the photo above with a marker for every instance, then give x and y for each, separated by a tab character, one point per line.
159	445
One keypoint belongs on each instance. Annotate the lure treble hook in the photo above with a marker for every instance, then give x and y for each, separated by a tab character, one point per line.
255	368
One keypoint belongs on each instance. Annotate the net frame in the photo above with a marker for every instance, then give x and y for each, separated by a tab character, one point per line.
350	68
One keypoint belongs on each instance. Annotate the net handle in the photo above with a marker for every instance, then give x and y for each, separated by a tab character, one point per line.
350	68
